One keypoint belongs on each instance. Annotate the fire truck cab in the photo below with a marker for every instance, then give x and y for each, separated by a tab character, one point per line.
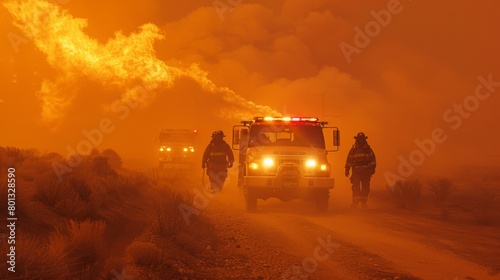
284	158
177	147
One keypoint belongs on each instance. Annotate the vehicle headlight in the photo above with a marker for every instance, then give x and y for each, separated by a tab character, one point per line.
315	167
162	149
268	162
311	163
253	166
185	149
169	149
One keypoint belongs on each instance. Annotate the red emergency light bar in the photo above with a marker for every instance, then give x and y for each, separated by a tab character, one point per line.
287	119
173	130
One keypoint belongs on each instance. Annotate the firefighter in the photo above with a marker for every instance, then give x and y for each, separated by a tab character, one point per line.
217	158
361	159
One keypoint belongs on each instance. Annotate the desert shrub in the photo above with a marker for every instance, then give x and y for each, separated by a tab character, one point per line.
84	194
40	260
27	163
152	261
114	159
129	186
144	254
83	243
62	197
57	264
31	168
157	175
406	193
114	268
66	219
15	156
73	208
49	190
442	189
80	186
168	219
102	167
39	219
98	194
50	157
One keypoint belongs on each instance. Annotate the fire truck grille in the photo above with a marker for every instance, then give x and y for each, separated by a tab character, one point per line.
294	161
290	177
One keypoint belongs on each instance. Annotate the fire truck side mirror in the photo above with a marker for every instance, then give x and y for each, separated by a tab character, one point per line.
240	137
336	137
243	138
236	137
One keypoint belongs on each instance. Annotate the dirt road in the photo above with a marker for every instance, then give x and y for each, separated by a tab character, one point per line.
290	241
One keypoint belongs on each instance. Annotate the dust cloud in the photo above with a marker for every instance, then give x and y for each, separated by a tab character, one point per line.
141	67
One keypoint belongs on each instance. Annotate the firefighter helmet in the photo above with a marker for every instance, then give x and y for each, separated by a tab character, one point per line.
218	134
360	136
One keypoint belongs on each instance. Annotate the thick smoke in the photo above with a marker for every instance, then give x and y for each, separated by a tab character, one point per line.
125	63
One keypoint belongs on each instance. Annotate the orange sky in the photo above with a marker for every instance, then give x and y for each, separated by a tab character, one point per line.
397	87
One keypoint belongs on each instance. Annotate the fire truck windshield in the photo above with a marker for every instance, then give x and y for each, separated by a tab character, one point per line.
287	135
177	137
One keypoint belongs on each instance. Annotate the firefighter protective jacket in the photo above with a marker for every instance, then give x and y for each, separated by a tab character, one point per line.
361	157
218	154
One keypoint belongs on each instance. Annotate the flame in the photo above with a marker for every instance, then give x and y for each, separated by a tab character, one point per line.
126	62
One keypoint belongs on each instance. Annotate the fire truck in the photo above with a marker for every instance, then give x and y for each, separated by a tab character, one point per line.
284	158
177	147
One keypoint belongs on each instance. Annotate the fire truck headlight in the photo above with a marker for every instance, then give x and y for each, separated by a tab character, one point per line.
268	162
311	163
253	166
185	149
192	150
169	149
323	167
162	149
